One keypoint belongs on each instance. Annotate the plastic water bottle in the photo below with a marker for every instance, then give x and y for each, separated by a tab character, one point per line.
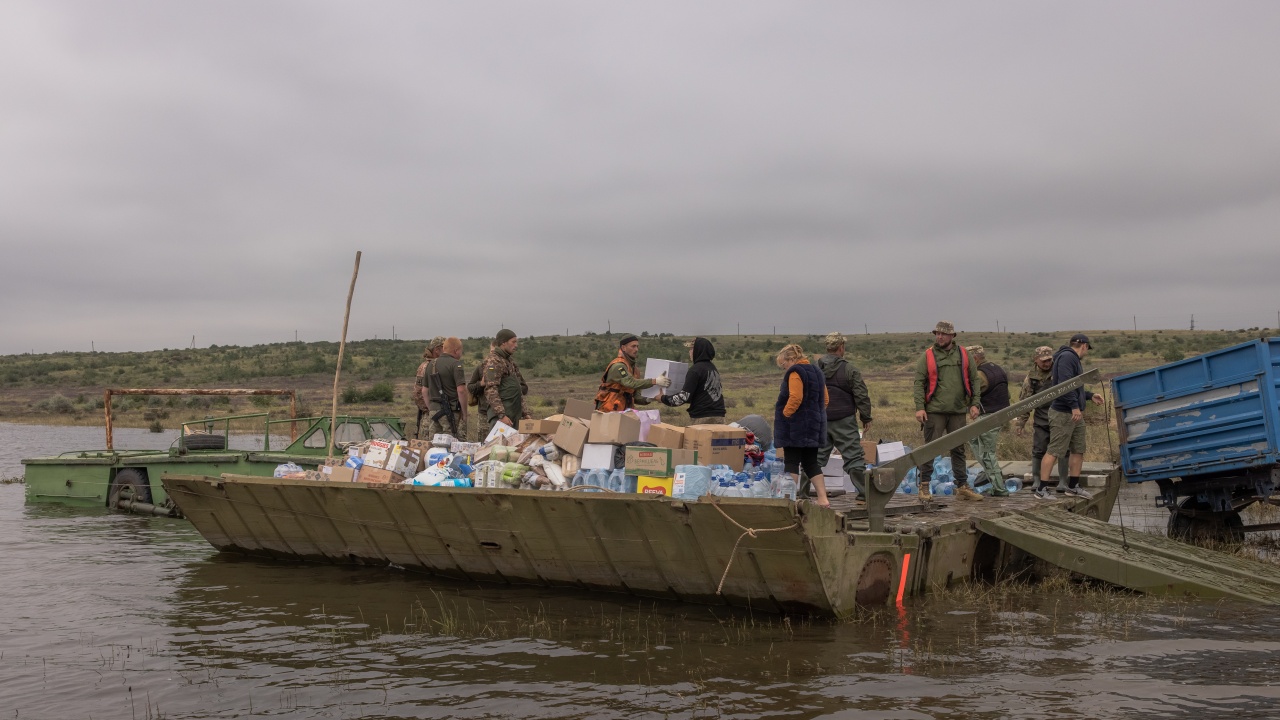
942	468
618	480
785	486
1013	485
945	488
630	483
579	479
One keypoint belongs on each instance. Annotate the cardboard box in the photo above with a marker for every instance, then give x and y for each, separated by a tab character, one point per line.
598	457
869	451
503	431
653	367
540	427
614	428
332	462
376	455
579	408
717	444
403	460
338	473
890	451
667	436
571	435
378	475
649	485
657	462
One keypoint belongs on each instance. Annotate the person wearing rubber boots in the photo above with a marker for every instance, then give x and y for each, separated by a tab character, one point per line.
993	394
619	384
1037	379
504	387
849	402
946	397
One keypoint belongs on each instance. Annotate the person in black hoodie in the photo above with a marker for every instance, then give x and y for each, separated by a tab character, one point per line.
1066	417
702	390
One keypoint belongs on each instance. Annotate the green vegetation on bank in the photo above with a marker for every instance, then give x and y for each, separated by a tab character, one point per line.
372	361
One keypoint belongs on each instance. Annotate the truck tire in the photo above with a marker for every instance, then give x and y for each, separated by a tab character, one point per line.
130	479
1223	528
204	441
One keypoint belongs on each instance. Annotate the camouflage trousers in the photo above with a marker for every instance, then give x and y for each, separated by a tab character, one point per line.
446	426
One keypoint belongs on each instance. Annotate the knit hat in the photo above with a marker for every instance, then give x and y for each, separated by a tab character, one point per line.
628	338
835	340
503	336
1044	352
944	327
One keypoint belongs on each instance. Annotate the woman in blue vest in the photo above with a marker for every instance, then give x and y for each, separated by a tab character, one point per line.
800	417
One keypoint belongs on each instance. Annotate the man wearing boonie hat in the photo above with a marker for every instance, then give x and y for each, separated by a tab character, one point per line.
946	395
702	389
619	384
993	394
1066	417
1037	379
848	400
420	398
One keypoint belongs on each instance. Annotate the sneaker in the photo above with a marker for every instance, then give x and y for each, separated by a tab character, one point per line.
1079	492
967	493
1044	493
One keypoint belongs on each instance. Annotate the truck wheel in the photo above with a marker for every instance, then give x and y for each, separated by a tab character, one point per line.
133	480
1205	527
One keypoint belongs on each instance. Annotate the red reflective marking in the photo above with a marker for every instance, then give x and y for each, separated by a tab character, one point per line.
902	581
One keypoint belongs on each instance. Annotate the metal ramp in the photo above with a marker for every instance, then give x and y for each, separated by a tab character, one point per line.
1150	564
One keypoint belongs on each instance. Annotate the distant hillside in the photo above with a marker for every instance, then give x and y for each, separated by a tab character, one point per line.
378	374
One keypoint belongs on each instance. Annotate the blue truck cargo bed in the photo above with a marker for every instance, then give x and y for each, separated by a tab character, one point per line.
1211	415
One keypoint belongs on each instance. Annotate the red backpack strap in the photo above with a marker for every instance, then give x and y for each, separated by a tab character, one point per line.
964	367
931	367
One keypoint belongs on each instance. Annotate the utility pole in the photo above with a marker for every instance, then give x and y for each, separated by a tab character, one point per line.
866	330
193	342
91	347
1193	322
1135	322
739	329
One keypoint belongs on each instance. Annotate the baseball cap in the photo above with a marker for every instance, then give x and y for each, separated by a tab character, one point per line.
1081	338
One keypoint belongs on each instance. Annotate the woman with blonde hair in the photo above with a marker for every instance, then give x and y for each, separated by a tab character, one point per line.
800	417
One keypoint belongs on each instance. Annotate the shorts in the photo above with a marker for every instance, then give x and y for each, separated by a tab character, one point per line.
795	458
1064	435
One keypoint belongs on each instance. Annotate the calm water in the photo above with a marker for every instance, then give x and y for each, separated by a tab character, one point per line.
115	616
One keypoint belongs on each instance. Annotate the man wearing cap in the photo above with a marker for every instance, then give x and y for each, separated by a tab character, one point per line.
1066	417
849	401
420	396
504	387
946	393
619	384
1037	379
702	389
993	391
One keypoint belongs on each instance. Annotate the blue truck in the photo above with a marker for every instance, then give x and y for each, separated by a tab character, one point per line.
1206	430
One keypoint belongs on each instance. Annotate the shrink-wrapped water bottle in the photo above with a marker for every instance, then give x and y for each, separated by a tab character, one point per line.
618	480
697	481
945	488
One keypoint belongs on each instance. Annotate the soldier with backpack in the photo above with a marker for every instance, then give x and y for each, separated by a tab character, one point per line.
849	402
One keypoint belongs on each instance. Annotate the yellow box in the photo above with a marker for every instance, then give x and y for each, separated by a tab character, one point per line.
650	485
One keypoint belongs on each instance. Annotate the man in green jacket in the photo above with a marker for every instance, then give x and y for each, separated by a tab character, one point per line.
504	386
849	400
946	393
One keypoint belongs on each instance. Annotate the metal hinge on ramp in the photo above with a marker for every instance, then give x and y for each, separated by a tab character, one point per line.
1150	564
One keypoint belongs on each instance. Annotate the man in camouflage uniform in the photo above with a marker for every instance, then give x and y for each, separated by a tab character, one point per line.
1037	379
849	400
619	384
447	388
475	393
420	398
504	387
993	390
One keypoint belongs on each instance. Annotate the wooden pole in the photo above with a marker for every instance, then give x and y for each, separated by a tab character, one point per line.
106	408
342	346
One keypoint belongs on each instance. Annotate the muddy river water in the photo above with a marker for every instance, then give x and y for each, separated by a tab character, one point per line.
116	616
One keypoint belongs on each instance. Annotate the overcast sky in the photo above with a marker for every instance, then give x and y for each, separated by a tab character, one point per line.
170	169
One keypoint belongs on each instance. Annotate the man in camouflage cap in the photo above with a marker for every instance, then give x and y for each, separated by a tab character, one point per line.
848	401
945	394
504	386
993	391
1037	379
420	397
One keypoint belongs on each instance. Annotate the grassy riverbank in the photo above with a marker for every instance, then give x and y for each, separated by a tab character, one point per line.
66	388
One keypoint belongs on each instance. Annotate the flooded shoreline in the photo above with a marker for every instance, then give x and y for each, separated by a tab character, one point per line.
117	616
